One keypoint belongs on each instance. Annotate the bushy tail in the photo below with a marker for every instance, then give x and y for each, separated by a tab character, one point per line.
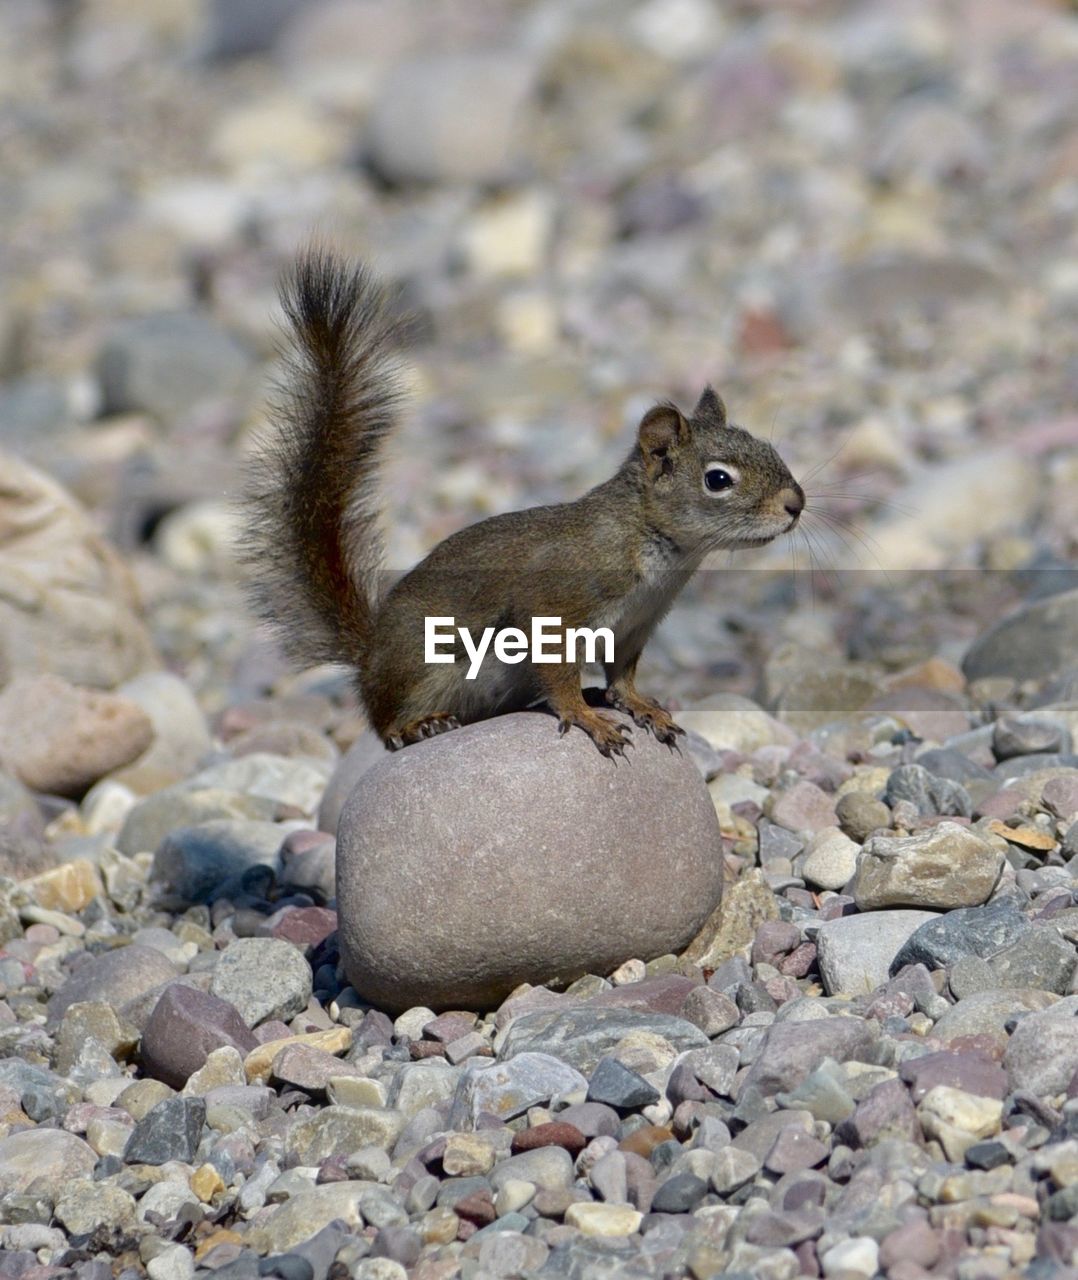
312	540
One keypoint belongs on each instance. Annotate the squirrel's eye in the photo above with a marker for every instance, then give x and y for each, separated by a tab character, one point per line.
717	478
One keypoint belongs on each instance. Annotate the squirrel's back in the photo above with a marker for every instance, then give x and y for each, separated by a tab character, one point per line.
312	541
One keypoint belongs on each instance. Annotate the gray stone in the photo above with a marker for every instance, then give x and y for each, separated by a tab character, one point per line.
948	762
171	1130
824	1094
158	815
162	364
581	1036
309	862
418	1085
733	1168
1023	737
195	861
509	1088
115	978
613	1083
549	1167
449	918
715	1066
609	1178
974	931
184	1027
424	126
679	1194
509	1253
987	1013
1042	1053
264	978
238	28
929	794
1040	959
791	1050
1034	642
855	953
945	866
712	1011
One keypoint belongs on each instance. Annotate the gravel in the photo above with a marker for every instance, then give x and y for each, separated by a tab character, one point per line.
564	1062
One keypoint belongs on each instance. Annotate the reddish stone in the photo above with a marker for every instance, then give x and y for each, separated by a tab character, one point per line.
448	1027
987	1046
793	1150
477	1208
187	1024
554	1134
808	1264
773	939
884	1112
799	961
1002	804
306	927
272	1030
762	333
426	1049
970	1072
663	994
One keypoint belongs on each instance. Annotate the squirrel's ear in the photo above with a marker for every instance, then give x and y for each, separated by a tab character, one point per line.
710	405
662	432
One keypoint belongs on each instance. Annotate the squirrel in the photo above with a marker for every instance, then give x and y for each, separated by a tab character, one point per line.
614	558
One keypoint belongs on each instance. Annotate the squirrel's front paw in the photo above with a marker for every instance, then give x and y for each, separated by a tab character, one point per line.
648	714
608	735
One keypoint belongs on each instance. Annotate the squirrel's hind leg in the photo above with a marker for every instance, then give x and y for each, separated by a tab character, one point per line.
417	730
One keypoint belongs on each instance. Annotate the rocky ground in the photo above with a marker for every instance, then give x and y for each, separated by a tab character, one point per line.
858	220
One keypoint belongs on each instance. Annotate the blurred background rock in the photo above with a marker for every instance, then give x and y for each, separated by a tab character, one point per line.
859	220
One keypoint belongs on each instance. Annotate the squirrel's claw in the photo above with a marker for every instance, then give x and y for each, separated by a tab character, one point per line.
648	714
610	737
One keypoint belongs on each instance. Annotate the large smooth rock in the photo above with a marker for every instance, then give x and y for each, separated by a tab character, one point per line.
502	853
1035	641
67	602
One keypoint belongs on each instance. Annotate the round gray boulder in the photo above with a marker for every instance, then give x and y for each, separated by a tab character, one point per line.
501	853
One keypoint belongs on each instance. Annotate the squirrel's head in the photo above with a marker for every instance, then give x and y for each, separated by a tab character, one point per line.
713	484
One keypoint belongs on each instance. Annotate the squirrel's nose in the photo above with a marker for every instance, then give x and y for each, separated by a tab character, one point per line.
793	500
